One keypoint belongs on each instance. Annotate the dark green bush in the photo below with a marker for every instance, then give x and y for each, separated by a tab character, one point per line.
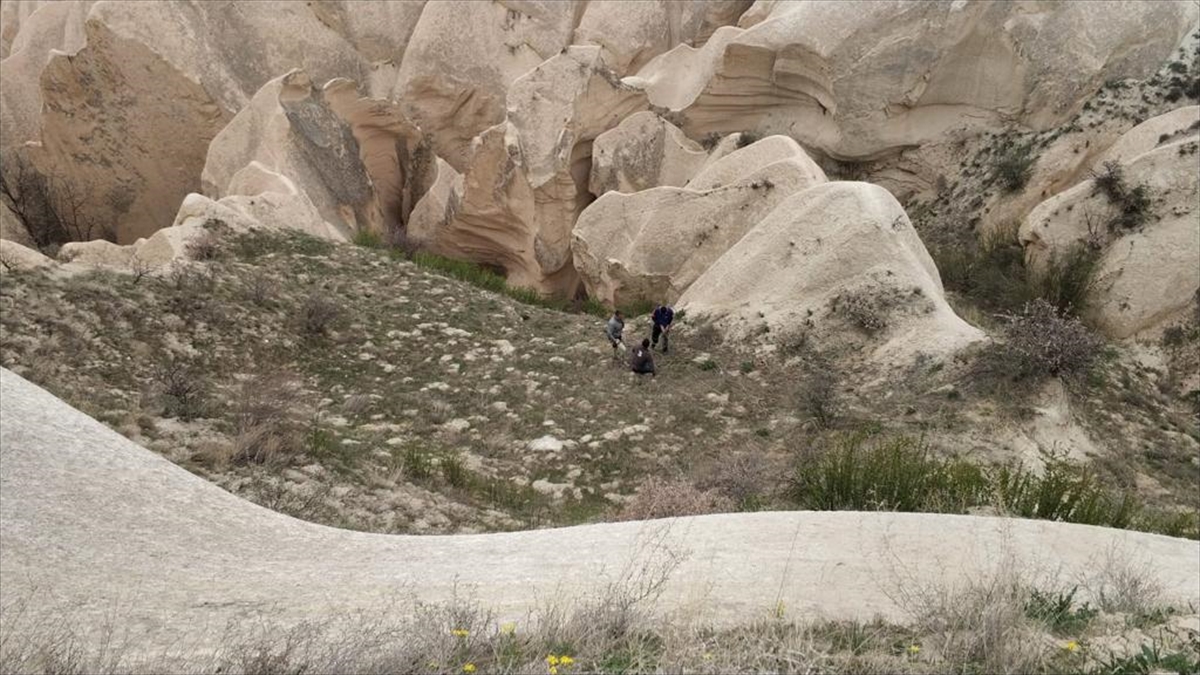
1014	166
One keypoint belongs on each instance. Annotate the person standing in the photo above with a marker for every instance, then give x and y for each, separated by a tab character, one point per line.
662	317
614	330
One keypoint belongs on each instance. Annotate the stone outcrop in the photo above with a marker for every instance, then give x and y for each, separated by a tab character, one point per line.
840	264
14	256
631	33
651	245
290	141
642	152
461	59
840	78
1148	275
128	115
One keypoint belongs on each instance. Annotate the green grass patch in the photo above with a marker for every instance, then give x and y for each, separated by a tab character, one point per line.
860	473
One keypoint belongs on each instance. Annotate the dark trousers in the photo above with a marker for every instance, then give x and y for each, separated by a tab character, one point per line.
656	333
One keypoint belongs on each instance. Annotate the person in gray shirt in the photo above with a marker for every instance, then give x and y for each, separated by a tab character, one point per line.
613	330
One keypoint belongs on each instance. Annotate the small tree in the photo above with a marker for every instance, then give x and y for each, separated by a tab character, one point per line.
53	210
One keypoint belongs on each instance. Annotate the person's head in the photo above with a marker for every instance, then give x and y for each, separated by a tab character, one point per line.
645	343
617	313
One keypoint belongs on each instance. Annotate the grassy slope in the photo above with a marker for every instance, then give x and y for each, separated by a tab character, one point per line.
416	409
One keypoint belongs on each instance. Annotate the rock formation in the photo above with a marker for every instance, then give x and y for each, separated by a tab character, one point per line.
651	245
1147	275
642	152
290	140
841	264
842	80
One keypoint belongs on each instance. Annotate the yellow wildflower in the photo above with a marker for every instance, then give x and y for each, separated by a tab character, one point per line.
553	670
508	628
469	668
1071	646
565	660
708	656
552	660
460	632
914	649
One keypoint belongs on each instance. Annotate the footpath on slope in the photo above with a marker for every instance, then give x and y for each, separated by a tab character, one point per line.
104	531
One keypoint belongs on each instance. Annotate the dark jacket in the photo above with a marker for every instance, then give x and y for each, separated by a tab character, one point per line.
640	360
663	316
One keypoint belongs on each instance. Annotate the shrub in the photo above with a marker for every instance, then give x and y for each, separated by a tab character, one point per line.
182	389
1067	283
1132	202
368	239
454	472
317	314
898	474
267	417
663	498
417	465
863	311
744	478
1014	166
204	246
817	393
1040	341
1059	611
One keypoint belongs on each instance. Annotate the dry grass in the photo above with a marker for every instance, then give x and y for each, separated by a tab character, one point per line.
668	498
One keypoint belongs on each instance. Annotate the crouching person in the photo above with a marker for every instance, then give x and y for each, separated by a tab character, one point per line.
640	360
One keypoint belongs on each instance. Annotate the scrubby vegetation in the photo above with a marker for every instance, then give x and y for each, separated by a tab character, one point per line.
351	386
858	472
1131	202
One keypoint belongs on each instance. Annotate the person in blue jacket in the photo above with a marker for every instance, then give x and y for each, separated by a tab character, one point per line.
662	317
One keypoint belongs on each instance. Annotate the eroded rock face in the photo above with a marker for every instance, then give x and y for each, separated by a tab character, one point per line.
462	57
841	264
840	78
1148	275
651	245
631	33
127	116
290	140
642	152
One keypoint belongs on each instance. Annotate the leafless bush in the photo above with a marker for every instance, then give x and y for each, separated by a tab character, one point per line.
268	417
140	268
743	477
863	311
182	389
982	622
664	498
204	246
260	289
189	289
1040	341
818	395
317	314
54	210
1132	202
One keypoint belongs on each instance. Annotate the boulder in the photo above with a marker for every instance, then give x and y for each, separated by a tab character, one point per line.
642	152
1147	276
98	253
651	245
838	77
438	206
841	265
14	256
1171	126
290	141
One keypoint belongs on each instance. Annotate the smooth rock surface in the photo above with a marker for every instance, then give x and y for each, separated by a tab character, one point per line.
123	535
